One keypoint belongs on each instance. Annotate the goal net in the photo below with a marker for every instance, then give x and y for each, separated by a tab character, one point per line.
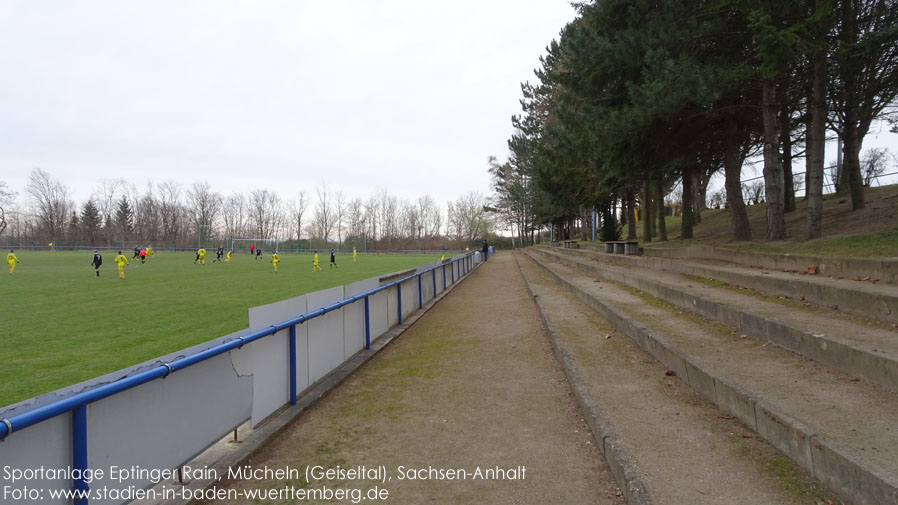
241	245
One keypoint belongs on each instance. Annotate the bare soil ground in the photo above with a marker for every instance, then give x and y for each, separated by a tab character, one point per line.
474	383
684	449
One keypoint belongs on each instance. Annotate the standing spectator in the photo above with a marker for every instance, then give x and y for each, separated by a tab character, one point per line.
486	249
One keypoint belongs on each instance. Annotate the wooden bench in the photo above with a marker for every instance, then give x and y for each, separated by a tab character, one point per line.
571	244
628	247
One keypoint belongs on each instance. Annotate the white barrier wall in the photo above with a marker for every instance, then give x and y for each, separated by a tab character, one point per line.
325	334
143	426
166	422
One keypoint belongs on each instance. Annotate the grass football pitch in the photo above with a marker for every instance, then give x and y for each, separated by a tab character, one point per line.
60	324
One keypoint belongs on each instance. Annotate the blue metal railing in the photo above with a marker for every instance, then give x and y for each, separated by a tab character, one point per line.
77	403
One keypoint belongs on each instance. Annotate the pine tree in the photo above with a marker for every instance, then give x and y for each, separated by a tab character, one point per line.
124	218
90	223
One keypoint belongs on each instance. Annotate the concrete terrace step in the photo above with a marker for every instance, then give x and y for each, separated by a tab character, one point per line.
873	300
885	269
665	443
842	432
845	343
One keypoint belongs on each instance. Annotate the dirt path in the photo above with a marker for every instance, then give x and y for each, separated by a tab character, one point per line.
473	384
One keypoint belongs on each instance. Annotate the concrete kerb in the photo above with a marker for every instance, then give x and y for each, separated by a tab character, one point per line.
854	359
225	454
620	464
820	457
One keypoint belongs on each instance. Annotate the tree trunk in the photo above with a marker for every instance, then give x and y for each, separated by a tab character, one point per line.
624	212
732	163
816	144
659	202
786	160
585	223
698	198
773	174
646	211
852	166
609	222
688	202
631	215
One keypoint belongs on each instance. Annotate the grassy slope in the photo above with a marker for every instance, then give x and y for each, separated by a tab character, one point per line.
60	325
870	232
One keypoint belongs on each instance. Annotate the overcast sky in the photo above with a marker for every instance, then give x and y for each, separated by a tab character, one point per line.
412	96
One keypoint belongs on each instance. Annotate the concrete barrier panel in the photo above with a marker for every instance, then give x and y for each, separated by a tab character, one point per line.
354	317
392	306
377	308
410	297
209	394
268	359
48	445
325	333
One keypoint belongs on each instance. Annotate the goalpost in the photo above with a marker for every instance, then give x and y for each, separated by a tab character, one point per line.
242	244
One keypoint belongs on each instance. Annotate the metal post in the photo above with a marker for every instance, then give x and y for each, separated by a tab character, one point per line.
293	365
420	294
452	271
444	276
593	223
399	305
434	271
367	326
79	452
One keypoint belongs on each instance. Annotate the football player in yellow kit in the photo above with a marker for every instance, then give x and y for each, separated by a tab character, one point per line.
275	259
12	259
121	261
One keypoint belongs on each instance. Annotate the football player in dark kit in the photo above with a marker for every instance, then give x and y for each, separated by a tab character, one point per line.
98	260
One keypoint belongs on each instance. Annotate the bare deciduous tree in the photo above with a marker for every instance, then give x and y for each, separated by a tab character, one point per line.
323	213
204	204
267	215
51	203
234	216
298	208
170	210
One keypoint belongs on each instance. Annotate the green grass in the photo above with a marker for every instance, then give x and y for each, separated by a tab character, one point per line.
873	245
60	324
